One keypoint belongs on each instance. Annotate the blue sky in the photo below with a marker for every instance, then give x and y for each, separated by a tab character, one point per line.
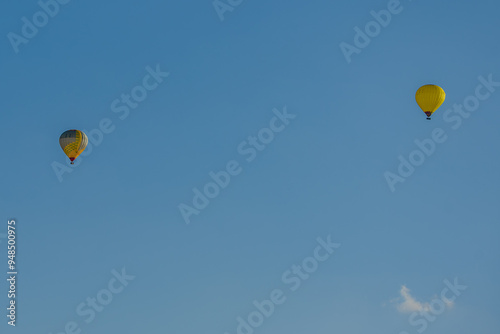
322	176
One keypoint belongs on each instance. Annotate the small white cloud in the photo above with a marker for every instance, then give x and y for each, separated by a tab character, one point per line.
407	303
448	302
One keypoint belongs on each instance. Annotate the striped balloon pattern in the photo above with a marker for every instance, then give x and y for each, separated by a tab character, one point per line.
73	143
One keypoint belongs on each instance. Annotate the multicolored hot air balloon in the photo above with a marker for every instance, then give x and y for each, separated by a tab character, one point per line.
430	98
73	142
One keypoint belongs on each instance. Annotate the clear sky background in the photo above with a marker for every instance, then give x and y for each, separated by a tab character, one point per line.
322	175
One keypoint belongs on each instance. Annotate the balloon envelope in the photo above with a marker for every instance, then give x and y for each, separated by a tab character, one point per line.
430	98
73	142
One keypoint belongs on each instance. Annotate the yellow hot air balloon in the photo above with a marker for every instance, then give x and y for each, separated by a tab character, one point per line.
73	142
430	98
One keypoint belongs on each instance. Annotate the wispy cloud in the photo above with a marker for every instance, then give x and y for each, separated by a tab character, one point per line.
407	303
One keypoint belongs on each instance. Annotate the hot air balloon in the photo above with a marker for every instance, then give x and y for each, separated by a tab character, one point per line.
429	98
73	142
